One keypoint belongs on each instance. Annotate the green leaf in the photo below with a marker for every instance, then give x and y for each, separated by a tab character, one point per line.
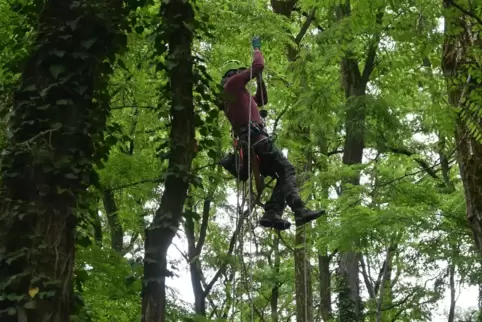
88	43
56	70
65	102
57	125
73	23
30	305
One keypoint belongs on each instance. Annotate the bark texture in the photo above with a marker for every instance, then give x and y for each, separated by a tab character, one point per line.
47	164
177	19
460	39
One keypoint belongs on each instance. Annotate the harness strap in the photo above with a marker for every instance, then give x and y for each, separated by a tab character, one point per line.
258	177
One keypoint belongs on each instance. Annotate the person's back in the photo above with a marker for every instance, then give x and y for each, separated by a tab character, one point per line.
238	100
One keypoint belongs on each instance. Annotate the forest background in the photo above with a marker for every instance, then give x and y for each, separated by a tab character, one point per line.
110	135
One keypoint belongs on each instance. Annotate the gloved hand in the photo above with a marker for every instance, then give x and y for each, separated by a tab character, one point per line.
263	113
256	42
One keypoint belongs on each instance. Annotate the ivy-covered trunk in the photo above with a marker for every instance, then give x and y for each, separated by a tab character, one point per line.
47	163
463	92
175	36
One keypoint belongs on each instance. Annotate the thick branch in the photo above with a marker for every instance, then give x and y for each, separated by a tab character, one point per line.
372	51
305	27
204	225
135	183
367	278
278	118
465	11
306	15
423	164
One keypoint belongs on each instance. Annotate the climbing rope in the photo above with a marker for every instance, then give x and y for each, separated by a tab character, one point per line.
236	243
305	277
250	195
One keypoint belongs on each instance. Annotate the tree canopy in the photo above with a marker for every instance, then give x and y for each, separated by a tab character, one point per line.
111	135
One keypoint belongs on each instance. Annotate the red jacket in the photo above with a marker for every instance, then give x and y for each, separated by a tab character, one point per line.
237	97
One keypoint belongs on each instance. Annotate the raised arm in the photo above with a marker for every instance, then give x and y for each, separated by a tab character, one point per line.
261	96
240	80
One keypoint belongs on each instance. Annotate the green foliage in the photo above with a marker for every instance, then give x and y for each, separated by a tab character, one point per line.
409	204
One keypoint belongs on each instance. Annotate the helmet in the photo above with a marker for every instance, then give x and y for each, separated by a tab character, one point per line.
231	65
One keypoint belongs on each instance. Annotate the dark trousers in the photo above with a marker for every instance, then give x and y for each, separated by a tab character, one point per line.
274	164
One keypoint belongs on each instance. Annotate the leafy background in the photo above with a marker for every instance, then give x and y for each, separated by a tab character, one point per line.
408	211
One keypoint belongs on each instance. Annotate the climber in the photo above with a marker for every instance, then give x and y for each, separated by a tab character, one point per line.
235	104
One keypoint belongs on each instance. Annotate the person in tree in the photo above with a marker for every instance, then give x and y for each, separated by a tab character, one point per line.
235	102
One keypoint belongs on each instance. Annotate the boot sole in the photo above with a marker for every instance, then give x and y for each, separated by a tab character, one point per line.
280	225
317	215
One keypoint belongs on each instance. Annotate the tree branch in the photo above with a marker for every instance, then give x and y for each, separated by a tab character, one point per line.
333	253
135	183
133	106
204	226
423	164
224	265
336	151
366	278
278	118
372	51
465	11
306	15
305	27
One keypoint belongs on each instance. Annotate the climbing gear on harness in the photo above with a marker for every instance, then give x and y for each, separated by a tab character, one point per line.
256	42
230	65
263	113
254	130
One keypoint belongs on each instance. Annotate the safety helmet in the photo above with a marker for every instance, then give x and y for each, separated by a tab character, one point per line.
231	65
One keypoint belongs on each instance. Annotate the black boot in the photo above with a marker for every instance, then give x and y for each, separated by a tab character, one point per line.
273	220
305	215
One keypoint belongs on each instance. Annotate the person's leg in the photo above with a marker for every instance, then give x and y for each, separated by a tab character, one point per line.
274	208
276	204
287	184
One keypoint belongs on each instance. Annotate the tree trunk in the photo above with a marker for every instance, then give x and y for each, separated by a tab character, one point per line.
116	231
47	164
304	287
354	84
275	289
384	283
324	258
451	270
349	290
460	35
177	19
110	204
325	286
